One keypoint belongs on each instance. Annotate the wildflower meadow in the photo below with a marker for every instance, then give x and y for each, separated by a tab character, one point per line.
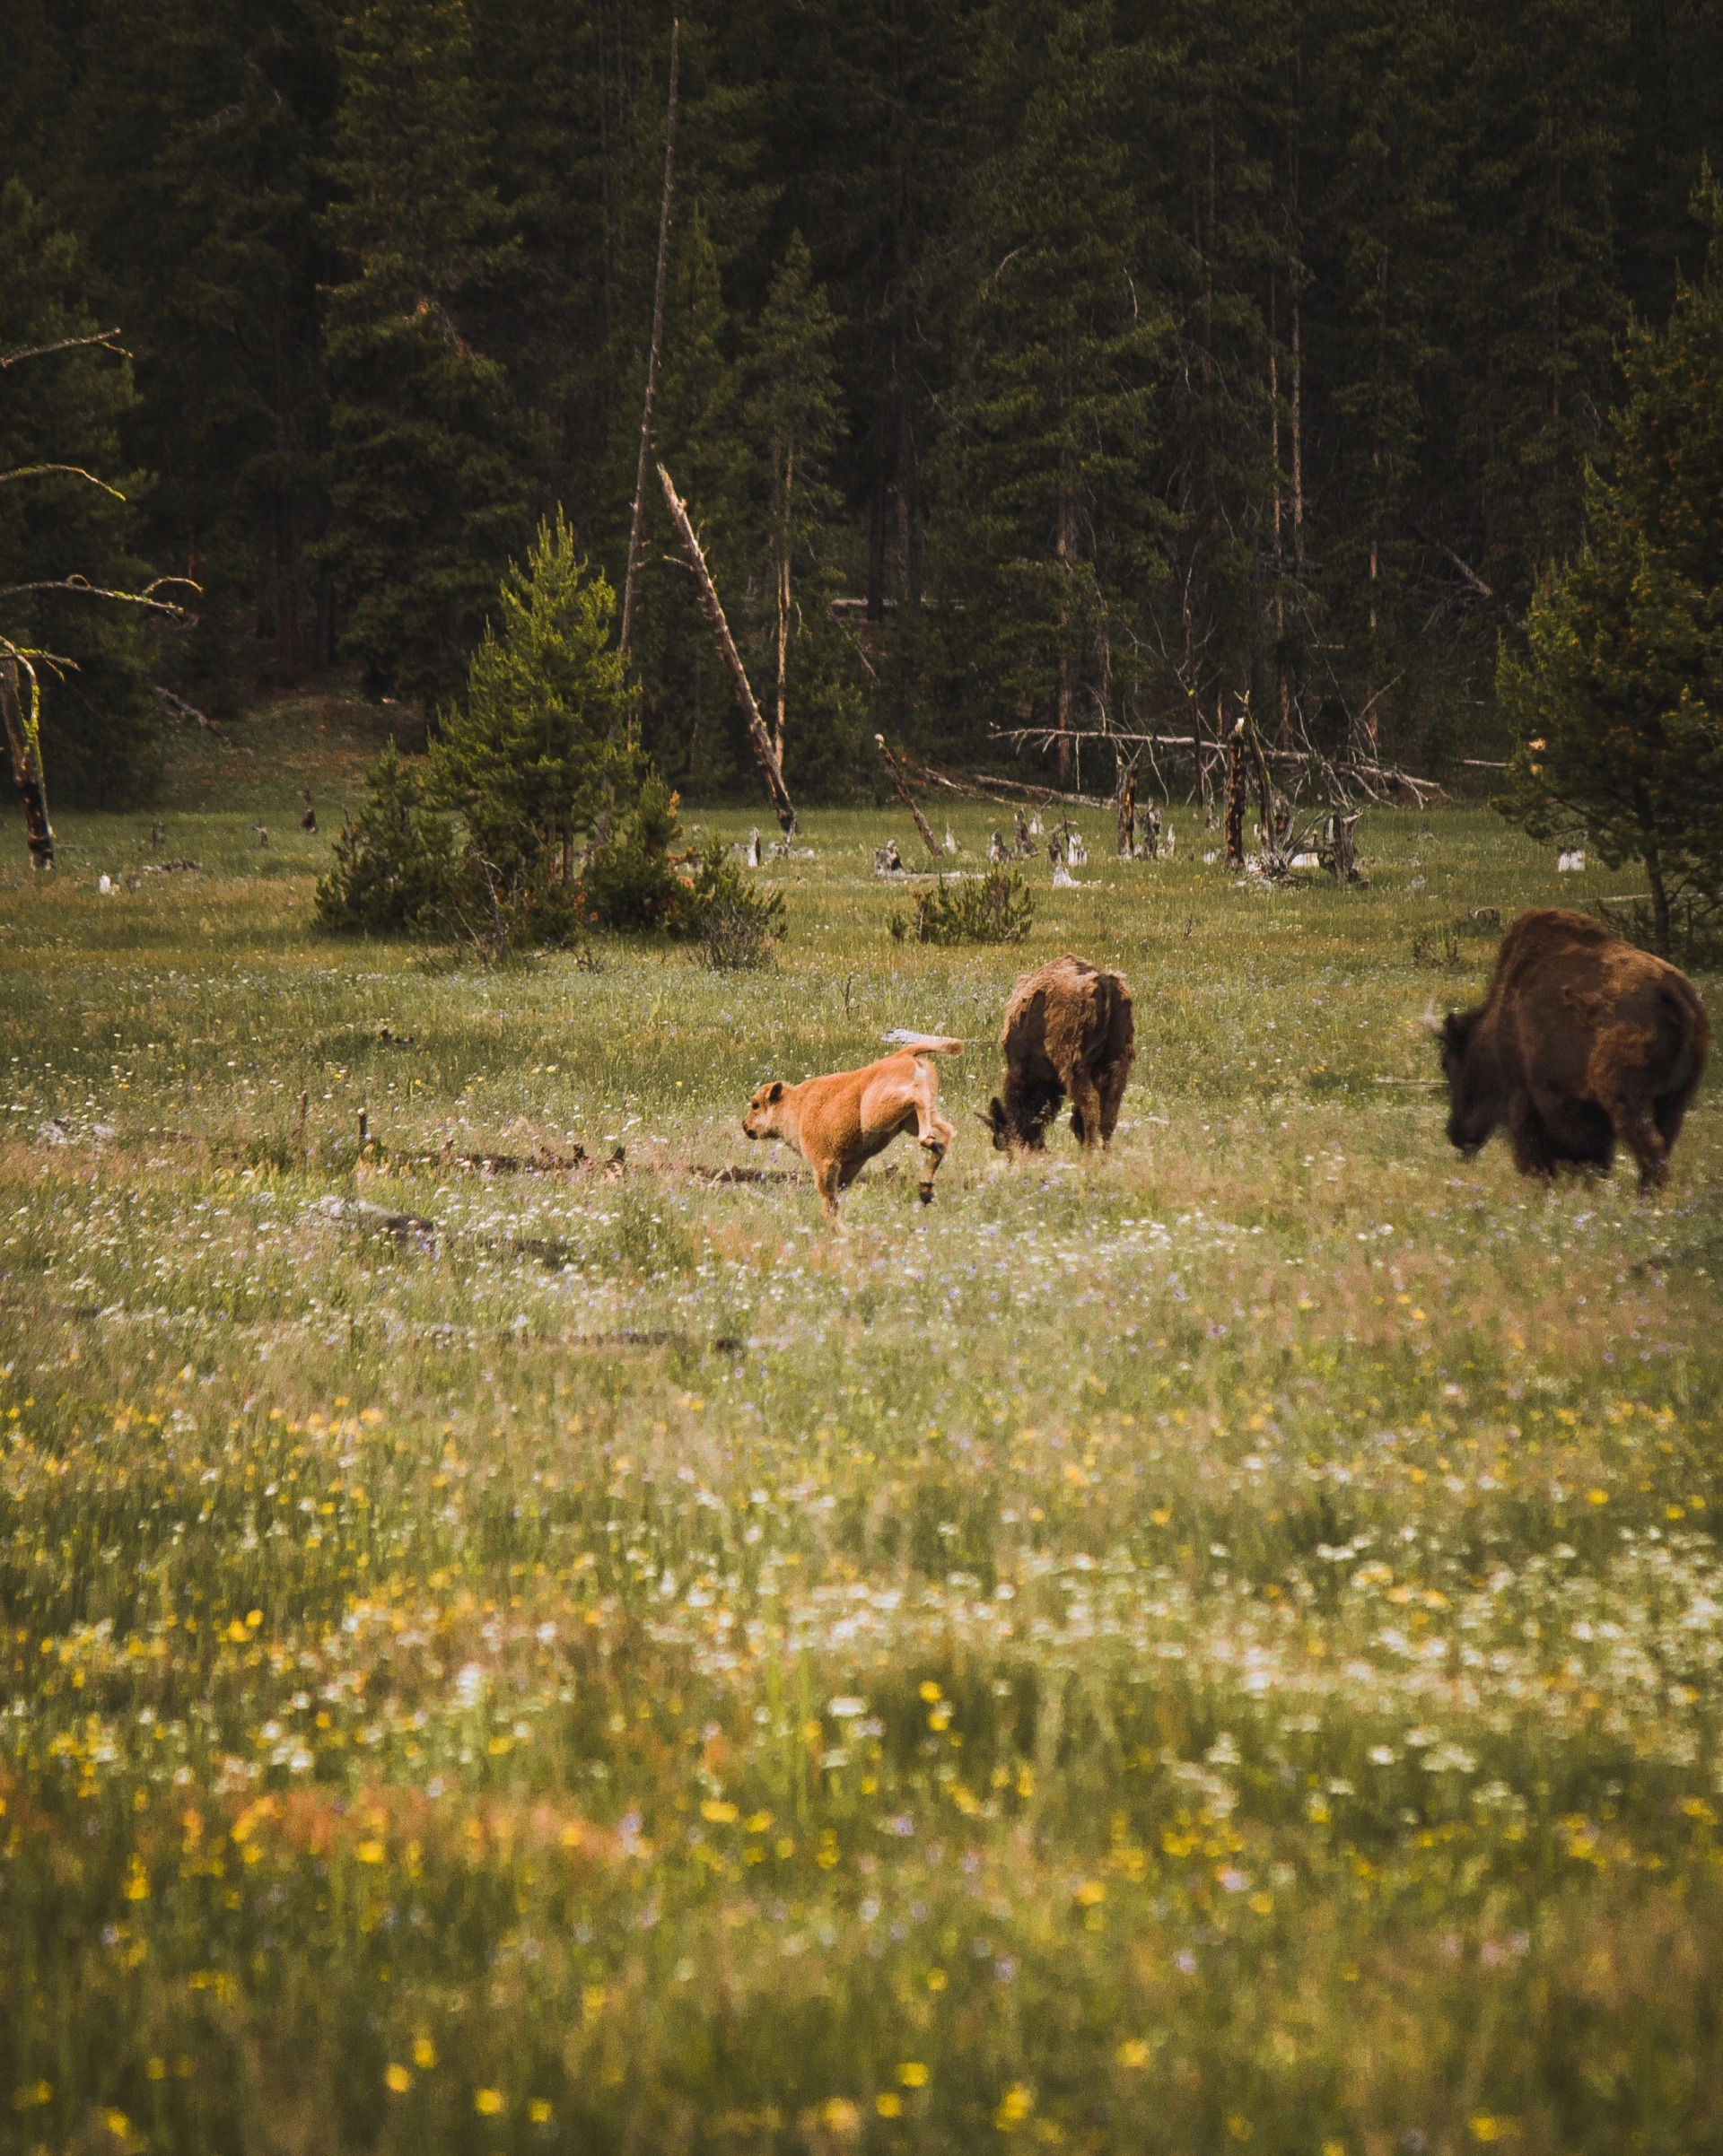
518	1637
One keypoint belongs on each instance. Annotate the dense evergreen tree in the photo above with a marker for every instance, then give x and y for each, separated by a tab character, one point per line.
1050	511
431	462
197	133
533	755
793	418
1174	349
1619	702
67	408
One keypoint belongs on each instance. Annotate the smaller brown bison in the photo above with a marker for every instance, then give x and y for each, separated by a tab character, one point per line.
1582	1043
837	1124
1069	1030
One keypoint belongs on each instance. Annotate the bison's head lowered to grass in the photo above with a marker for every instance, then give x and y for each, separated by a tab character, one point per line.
1475	1101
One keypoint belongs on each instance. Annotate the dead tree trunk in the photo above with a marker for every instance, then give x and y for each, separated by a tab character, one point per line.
1342	858
23	740
1237	789
782	807
631	573
1127	809
1267	820
899	779
783	599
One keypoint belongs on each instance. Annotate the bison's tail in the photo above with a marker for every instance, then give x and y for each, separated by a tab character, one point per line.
921	1043
1695	1035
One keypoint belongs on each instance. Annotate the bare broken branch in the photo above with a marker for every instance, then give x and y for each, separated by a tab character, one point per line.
103	338
76	471
84	588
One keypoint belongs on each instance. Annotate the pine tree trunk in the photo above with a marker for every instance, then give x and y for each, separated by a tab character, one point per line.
632	572
1653	855
24	744
759	740
784	598
1062	554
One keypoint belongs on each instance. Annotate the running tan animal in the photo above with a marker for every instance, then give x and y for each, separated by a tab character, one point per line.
838	1123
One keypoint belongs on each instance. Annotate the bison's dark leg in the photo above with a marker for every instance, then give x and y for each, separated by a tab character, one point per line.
1113	1084
1533	1153
1085	1110
1636	1128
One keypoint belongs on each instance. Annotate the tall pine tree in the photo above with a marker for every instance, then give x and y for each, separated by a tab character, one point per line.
1050	513
431	469
67	408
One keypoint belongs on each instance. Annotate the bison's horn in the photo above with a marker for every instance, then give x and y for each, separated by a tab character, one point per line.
1432	1021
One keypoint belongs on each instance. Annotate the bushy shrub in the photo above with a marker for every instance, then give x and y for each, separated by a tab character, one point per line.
630	879
733	923
998	909
396	868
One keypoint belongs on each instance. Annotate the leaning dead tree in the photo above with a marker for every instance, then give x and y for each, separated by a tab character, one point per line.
20	710
631	576
899	777
759	739
24	744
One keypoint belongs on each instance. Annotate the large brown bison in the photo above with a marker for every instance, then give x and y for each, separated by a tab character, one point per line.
1581	1044
1069	1030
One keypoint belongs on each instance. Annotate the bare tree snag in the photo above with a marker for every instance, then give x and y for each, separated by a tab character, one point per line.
1267	821
899	779
1127	810
631	576
1236	787
23	740
1337	851
759	740
784	601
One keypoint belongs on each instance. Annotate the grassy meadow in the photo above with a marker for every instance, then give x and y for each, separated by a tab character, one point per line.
1220	1651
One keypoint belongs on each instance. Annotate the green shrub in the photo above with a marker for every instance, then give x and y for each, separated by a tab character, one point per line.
544	732
630	879
998	909
396	868
733	923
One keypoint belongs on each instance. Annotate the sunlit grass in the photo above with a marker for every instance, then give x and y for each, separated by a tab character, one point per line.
1218	1648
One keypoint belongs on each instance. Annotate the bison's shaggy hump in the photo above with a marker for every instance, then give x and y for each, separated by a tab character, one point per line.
1583	1043
1069	1031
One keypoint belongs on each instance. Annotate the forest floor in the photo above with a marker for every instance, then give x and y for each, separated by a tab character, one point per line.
1220	1649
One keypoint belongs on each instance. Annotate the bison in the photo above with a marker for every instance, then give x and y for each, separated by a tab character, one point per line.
1582	1043
838	1123
1067	1029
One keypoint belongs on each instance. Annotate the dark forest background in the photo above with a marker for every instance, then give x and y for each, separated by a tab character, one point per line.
1078	364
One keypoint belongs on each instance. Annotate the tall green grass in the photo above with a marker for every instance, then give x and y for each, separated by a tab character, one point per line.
1218	1649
